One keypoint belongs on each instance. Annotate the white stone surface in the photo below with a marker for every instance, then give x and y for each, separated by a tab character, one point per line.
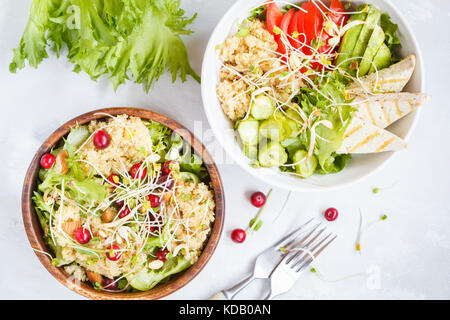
407	256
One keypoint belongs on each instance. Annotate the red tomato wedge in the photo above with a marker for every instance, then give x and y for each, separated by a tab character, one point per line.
273	16
336	7
312	21
293	29
284	26
301	30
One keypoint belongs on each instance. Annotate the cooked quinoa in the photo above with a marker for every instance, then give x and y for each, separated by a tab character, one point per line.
140	219
247	58
130	141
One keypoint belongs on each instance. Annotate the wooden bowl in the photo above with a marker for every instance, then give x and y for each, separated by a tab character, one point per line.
35	233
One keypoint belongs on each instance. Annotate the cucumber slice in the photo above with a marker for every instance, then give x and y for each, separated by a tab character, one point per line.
248	131
189	176
262	108
291	127
250	151
272	129
307	167
272	155
292	114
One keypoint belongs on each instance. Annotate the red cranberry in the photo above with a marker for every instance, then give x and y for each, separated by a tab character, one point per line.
82	235
137	172
166	181
161	254
238	235
113	253
114	179
110	284
120	203
170	166
124	212
149	228
258	199
47	160
154	200
331	214
101	139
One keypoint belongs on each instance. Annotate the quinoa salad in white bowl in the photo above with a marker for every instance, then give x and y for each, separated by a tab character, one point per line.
124	204
312	95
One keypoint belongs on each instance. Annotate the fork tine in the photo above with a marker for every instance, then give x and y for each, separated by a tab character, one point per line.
299	241
315	254
309	252
287	239
306	246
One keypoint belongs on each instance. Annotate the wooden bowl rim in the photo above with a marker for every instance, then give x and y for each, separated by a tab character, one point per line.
34	231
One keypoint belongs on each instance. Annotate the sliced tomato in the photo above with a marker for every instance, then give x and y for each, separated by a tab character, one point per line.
312	21
284	26
301	29
336	8
292	29
273	16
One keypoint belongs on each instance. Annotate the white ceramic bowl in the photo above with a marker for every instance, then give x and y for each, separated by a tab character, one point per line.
359	166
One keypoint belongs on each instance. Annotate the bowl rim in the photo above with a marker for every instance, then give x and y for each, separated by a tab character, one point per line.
266	178
34	230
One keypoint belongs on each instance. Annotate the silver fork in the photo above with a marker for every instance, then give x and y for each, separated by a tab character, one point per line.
304	250
264	265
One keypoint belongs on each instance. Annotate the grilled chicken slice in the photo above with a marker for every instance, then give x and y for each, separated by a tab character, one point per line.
384	109
392	79
363	137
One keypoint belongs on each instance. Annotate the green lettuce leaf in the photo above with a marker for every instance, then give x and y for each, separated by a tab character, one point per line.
147	278
390	30
190	162
117	38
332	87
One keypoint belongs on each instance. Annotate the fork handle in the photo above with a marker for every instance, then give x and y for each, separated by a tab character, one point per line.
228	294
218	296
231	292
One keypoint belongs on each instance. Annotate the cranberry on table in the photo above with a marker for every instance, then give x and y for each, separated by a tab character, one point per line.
113	253
82	235
47	160
238	235
110	284
154	200
258	199
161	254
138	171
124	212
101	139
167	181
170	166
114	179
331	214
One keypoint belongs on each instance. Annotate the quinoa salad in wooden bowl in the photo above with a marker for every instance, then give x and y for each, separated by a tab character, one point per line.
123	205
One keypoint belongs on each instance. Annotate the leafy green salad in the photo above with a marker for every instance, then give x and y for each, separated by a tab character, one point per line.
293	80
124	203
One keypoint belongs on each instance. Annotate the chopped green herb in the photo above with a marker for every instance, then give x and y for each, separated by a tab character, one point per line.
243	30
277	30
383	217
284	250
256	226
375	190
97	286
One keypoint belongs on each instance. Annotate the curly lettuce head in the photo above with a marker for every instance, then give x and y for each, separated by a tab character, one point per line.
117	38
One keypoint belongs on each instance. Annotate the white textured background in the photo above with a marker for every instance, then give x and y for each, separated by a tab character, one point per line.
407	256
